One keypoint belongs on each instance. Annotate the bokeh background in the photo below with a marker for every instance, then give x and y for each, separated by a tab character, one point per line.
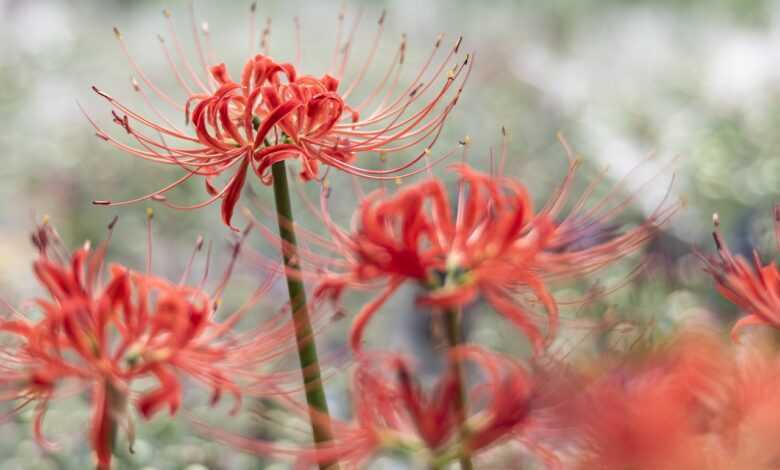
685	92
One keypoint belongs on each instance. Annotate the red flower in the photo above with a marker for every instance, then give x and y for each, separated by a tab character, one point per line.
656	413
489	247
494	245
104	337
273	113
393	413
753	287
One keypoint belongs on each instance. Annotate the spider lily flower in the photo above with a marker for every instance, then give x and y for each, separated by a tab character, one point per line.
104	336
750	285
392	413
487	248
751	418
657	412
273	113
495	246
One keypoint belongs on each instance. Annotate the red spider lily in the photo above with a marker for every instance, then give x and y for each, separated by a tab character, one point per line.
751	418
106	336
495	245
393	414
273	113
654	414
488	247
755	289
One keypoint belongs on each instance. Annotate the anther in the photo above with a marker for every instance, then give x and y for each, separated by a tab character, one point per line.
117	33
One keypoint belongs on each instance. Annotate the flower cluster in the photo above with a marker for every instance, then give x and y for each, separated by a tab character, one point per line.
275	113
104	332
491	243
392	413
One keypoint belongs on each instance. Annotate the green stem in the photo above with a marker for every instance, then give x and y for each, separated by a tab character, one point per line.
304	334
452	327
111	402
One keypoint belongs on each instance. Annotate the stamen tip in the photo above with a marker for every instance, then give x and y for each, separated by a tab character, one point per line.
457	44
135	84
715	219
253	7
382	17
199	243
101	202
113	222
149	213
166	12
117	33
466	141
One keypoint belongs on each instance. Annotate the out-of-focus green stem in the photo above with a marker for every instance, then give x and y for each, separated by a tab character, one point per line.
452	327
111	399
304	335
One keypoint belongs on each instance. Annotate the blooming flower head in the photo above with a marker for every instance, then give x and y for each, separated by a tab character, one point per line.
272	112
104	336
486	247
491	243
750	285
393	413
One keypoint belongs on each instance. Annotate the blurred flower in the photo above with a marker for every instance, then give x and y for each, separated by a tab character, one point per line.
755	289
106	336
273	113
392	413
653	413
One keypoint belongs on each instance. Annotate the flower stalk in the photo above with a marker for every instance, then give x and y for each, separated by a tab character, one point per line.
304	335
452	329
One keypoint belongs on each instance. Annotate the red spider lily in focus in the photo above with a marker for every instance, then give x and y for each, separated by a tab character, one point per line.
755	289
392	413
104	336
488	247
657	413
495	245
274	113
